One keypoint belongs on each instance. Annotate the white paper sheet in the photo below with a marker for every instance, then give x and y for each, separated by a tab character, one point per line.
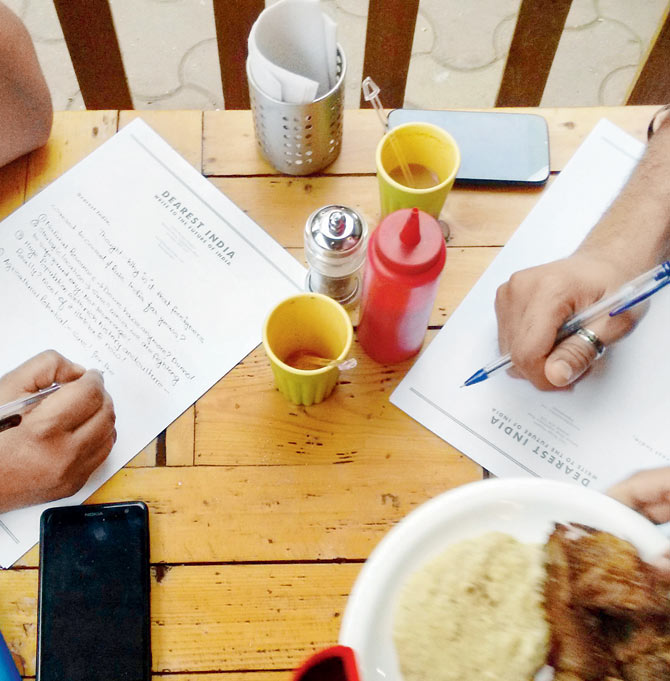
134	263
615	420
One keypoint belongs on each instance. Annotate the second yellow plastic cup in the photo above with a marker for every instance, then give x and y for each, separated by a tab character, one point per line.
424	146
313	324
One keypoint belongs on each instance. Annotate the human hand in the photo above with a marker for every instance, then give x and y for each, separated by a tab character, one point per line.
61	440
648	493
533	305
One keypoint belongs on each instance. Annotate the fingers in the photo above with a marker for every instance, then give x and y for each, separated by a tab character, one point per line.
98	428
569	360
62	439
648	492
87	447
533	305
574	356
40	372
529	316
75	403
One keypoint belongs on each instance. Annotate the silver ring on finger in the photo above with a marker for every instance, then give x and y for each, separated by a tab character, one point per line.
591	338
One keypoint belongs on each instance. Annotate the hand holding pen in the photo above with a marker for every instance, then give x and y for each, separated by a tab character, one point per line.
11	413
532	309
53	444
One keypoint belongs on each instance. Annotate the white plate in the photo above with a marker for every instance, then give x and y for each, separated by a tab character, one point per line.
524	508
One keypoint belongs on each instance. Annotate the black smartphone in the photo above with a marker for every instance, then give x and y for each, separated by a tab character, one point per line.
496	147
94	581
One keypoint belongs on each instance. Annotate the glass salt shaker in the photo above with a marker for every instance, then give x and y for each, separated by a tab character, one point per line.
335	244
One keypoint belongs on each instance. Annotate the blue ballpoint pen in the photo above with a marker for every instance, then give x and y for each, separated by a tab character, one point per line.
627	296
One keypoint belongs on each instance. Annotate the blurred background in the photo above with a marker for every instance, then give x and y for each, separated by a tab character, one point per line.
459	51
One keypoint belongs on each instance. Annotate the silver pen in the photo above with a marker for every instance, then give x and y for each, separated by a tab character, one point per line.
627	296
10	413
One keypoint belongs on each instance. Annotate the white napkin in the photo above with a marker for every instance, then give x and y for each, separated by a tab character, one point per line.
292	51
330	43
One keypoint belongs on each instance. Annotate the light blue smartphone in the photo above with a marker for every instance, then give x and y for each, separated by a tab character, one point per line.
496	147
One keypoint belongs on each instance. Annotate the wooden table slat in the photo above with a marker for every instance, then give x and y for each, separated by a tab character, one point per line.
214	618
230	147
146	457
279	511
356	423
180	440
282	205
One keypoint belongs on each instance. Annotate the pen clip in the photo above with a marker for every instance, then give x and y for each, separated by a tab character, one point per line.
640	298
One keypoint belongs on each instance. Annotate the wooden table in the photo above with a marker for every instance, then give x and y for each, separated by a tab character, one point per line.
263	512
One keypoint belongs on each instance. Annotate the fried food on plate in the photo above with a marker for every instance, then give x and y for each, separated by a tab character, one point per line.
494	608
608	611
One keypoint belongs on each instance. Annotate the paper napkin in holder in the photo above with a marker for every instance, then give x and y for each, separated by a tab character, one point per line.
293	51
295	70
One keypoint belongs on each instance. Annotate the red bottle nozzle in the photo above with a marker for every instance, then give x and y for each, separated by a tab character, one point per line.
410	234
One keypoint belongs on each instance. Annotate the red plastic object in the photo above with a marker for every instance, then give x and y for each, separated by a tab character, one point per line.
332	664
406	255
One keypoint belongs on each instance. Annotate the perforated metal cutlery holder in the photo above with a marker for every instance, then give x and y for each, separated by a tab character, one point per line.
300	139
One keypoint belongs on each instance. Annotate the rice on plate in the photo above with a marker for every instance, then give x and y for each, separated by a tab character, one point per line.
474	612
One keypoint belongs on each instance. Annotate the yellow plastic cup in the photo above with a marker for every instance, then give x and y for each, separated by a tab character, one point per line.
421	144
309	323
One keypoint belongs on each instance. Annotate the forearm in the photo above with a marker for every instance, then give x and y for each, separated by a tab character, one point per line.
635	232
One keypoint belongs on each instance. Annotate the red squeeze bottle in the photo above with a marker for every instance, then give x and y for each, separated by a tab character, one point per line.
406	254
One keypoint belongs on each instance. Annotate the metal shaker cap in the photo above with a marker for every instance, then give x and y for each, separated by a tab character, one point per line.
335	232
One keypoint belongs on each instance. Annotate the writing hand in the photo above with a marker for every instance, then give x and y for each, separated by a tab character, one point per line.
534	303
61	440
